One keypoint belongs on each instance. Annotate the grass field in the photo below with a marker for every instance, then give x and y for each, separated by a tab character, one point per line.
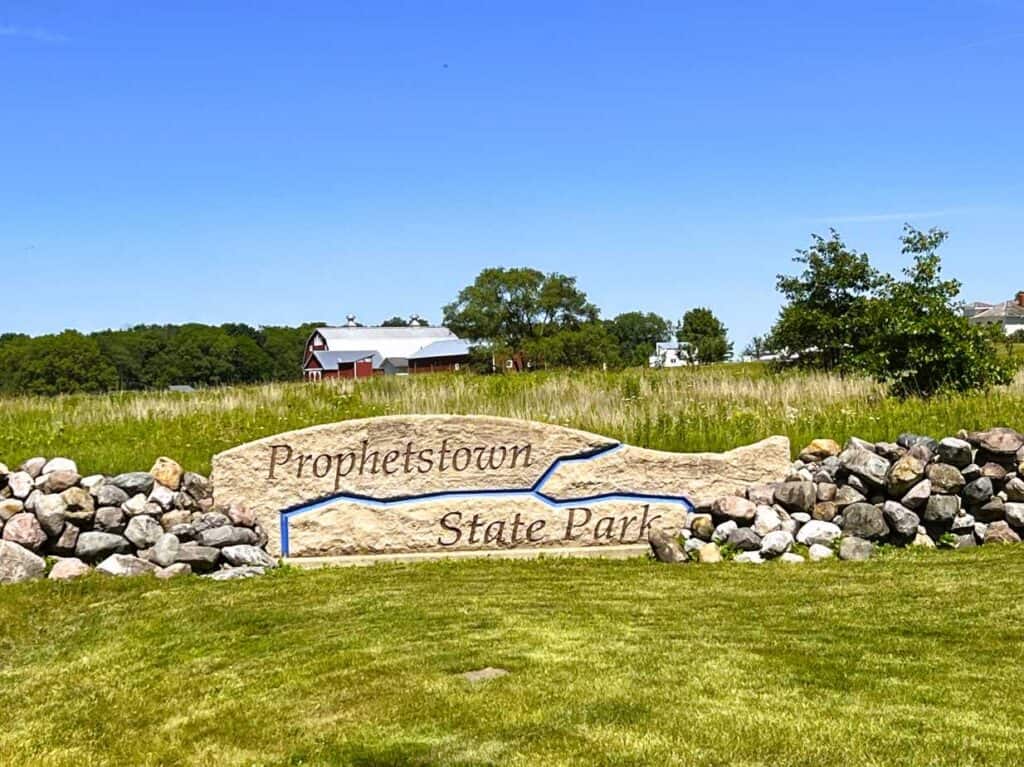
712	408
914	659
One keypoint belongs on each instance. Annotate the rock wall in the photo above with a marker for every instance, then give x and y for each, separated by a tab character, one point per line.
956	492
162	521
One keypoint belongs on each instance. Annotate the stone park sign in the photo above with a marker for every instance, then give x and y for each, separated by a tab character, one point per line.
437	483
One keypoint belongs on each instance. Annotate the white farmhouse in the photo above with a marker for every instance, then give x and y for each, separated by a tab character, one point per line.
670	354
1009	315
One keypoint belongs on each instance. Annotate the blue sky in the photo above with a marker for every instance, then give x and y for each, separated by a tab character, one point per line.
276	162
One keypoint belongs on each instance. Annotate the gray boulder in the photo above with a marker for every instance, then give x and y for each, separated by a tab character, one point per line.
162	496
125	565
978	492
200	558
796	496
735	508
855	549
819	532
257	557
945	479
1000	442
109	519
722	532
196	485
143	532
94	545
18	564
744	539
59	464
134	482
901	520
992	510
941	508
847	495
862	520
165	551
50	511
664	546
956	452
220	537
237	573
775	544
767	520
108	494
1015	514
1014	490
866	465
818	553
918	495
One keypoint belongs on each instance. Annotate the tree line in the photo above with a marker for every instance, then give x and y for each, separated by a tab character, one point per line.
150	357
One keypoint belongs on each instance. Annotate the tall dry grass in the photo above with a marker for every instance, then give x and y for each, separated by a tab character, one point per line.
712	408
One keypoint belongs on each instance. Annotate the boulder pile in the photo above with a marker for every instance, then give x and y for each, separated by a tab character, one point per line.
845	501
161	522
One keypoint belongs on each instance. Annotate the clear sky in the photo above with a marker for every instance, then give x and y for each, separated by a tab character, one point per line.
276	162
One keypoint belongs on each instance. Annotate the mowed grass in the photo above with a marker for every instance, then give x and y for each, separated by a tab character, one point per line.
912	659
712	408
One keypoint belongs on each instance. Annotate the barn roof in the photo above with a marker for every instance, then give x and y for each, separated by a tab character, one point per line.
1001	311
388	342
454	347
331	360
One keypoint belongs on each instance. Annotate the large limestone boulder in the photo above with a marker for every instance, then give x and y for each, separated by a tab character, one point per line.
125	565
69	568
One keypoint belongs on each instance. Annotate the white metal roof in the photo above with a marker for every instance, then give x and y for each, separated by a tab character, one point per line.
388	342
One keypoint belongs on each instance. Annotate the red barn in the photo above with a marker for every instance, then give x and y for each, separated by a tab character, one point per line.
358	352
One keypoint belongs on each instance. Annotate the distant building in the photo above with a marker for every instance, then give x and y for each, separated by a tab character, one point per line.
1009	315
352	351
670	354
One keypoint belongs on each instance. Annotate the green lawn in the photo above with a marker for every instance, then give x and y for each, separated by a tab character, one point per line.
914	659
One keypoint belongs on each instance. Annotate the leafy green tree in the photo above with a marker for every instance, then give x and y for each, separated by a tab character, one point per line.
588	345
395	322
921	343
636	334
757	348
511	309
68	362
827	314
706	336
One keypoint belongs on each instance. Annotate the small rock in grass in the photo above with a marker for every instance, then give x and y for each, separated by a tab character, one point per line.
709	554
235	573
483	674
172	571
855	549
749	558
818	552
68	569
125	565
1001	532
792	559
